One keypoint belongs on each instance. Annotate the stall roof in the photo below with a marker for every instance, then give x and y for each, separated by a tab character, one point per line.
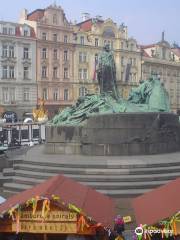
158	204
96	205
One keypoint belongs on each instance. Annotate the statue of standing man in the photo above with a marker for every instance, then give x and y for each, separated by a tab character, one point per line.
106	73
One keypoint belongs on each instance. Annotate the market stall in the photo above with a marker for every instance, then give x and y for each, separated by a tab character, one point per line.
59	208
158	212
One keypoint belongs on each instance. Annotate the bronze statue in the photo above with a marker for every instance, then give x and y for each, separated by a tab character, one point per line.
106	72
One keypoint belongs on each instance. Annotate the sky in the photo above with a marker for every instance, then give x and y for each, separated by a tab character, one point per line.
145	19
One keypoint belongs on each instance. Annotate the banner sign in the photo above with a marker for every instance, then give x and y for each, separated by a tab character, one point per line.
53	216
44	227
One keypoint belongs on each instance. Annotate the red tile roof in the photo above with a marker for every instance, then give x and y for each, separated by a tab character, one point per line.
96	205
158	204
145	54
147	46
176	51
87	25
35	15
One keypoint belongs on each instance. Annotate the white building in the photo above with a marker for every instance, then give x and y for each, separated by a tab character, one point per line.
18	87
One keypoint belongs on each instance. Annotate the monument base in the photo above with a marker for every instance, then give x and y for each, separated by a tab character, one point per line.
117	134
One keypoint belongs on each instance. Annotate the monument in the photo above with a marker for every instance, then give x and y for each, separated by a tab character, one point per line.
107	124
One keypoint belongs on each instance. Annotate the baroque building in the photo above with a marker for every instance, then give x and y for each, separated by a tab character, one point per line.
55	56
18	91
163	60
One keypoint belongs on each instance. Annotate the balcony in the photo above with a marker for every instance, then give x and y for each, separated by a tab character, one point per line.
26	60
8	59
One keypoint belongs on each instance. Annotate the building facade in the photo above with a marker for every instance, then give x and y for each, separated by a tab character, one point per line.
164	61
55	56
18	90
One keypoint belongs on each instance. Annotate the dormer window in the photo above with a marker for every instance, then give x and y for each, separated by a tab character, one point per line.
82	40
152	52
25	32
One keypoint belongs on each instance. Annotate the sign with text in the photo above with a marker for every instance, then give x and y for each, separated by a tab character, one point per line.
44	227
53	216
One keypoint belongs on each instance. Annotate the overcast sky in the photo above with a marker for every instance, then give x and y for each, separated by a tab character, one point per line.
146	19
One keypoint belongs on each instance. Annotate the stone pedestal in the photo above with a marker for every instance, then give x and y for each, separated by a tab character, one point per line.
117	134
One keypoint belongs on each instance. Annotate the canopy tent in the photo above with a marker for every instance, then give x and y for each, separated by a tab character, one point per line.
94	204
158	204
158	212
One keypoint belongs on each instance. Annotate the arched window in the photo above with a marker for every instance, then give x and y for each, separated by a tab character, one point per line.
108	32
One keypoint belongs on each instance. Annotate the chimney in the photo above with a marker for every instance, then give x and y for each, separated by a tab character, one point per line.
23	14
163	33
85	16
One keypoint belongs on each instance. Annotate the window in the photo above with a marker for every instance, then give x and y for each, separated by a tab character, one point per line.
66	94
5	94
122	45
96	42
54	72
11	72
55	54
5	72
152	52
44	53
11	51
82	57
130	61
122	61
12	95
80	73
44	72
55	94
26	53
26	73
45	94
65	38
11	32
65	55
82	91
65	73
122	75
5	30
26	94
82	40
55	19
26	33
44	36
5	51
55	37
132	47
85	74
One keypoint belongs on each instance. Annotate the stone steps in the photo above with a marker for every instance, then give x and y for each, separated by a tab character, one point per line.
98	185
100	178
95	171
115	176
86	163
